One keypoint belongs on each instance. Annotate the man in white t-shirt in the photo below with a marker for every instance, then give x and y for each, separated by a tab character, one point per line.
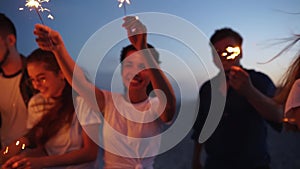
15	92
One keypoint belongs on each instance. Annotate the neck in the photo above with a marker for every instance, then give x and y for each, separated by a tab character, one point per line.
12	64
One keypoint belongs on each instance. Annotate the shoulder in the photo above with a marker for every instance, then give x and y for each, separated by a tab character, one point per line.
86	115
297	83
295	90
257	75
81	104
262	82
295	87
206	87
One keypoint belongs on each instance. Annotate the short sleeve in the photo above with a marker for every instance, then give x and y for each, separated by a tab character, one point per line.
85	114
293	99
263	83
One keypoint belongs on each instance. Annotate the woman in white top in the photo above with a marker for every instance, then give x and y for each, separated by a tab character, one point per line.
56	137
289	93
133	120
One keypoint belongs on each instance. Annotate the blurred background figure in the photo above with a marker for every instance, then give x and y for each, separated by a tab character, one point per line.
240	140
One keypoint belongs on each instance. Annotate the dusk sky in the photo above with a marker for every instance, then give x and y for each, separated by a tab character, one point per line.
261	23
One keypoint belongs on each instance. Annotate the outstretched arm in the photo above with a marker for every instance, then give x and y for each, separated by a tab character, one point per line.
137	34
86	154
196	162
13	149
50	40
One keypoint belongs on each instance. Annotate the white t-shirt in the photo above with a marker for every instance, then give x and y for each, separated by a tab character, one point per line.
68	138
131	137
13	110
293	99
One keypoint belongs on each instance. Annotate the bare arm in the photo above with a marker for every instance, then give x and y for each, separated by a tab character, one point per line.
197	155
138	38
266	106
13	149
86	154
50	40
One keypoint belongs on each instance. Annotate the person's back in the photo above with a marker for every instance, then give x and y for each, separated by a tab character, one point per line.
14	90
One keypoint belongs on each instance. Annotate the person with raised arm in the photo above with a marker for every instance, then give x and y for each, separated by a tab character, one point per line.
134	119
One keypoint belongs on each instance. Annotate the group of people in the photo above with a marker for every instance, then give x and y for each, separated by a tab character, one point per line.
47	111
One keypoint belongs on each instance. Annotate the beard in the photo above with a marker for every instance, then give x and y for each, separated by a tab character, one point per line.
4	57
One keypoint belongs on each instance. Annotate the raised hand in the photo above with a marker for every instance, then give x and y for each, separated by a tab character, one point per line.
136	31
240	80
46	38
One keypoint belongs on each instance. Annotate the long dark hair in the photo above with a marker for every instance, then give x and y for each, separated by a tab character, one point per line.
63	110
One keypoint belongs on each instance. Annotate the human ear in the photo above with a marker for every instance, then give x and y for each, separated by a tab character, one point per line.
11	40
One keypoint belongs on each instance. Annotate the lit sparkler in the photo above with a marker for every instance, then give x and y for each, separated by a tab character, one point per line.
231	52
289	120
6	150
37	6
23	146
124	5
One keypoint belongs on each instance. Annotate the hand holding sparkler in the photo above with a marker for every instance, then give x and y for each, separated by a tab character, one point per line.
13	149
136	31
47	39
240	80
20	161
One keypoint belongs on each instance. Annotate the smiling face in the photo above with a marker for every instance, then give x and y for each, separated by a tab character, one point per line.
134	75
221	46
48	83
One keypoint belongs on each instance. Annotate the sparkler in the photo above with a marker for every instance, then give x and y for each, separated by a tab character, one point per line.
289	120
124	5
37	6
231	52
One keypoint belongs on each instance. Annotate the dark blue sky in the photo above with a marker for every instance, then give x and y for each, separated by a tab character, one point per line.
259	22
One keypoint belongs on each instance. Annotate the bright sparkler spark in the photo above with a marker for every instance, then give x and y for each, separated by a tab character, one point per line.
23	146
6	150
289	120
33	3
124	5
231	52
122	1
37	6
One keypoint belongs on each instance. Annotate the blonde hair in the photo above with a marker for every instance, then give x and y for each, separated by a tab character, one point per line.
291	75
